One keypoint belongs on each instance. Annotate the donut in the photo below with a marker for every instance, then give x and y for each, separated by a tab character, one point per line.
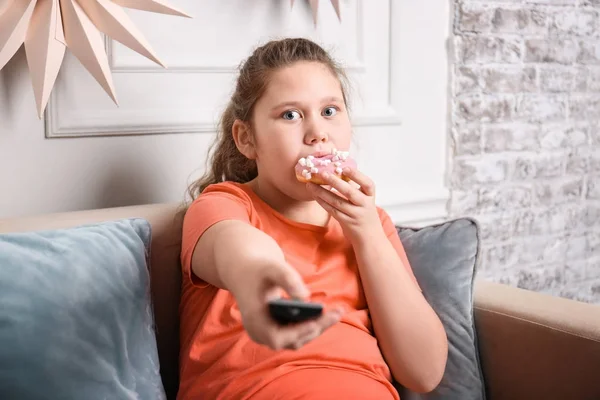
309	169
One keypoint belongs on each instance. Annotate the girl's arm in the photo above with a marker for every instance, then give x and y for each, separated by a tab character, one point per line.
238	257
411	336
226	252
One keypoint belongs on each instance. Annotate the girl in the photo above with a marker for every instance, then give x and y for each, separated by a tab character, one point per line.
254	232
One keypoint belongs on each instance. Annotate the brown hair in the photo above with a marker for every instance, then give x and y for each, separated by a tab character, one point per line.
226	162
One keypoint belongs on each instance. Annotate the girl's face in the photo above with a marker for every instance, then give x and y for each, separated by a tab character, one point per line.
301	112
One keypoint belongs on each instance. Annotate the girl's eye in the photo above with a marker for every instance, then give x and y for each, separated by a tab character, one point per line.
291	115
329	111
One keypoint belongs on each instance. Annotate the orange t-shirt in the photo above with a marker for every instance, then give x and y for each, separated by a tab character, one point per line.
218	360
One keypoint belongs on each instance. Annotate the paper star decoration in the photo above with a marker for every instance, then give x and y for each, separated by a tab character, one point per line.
48	27
314	6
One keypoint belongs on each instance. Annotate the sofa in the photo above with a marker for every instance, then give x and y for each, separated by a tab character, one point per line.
531	345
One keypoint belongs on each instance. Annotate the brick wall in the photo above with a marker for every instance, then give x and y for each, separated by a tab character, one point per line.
525	119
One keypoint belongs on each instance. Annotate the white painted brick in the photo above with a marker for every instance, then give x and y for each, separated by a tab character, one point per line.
578	162
594	165
475	17
523	223
594	132
585	107
510	50
526	129
585	292
595	292
589	52
504	197
506	79
463	202
536	2
562	51
519	20
467	79
577	247
575	269
577	22
475	49
590	216
525	3
552	2
571	214
541	108
593	247
563	135
495	227
469	171
550	165
558	78
591	270
485	108
558	191
551	220
593	187
467	139
541	249
592	83
488	49
498	257
522	168
584	74
509	79
549	276
511	137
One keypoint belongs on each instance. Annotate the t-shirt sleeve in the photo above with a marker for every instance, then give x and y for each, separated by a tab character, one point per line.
392	234
217	203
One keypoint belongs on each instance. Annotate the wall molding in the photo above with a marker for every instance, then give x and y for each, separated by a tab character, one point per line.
418	213
117	67
59	123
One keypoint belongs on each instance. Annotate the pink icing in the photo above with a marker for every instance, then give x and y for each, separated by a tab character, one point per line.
323	165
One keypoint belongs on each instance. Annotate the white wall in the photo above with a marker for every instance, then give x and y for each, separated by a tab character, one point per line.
89	153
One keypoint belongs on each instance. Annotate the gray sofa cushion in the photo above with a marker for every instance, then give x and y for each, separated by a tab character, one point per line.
444	258
76	320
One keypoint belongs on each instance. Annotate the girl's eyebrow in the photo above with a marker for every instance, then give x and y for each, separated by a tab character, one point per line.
329	99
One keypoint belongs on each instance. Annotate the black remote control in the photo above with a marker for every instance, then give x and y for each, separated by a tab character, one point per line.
290	311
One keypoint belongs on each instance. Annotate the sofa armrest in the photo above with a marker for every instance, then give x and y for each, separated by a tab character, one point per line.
536	346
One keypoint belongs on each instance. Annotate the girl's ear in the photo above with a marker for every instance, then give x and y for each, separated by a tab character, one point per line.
243	139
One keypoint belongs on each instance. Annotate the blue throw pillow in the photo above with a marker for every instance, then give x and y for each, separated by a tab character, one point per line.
444	259
76	319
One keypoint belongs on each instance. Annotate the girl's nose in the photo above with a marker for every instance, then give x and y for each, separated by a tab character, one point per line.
316	136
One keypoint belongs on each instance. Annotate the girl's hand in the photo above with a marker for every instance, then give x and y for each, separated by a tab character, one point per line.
353	207
268	282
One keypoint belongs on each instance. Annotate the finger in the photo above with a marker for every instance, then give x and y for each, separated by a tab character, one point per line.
287	278
366	184
305	339
318	325
329	318
295	336
333	200
349	192
279	337
274	293
335	213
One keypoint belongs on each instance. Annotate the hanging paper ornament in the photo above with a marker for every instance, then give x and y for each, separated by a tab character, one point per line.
49	27
314	6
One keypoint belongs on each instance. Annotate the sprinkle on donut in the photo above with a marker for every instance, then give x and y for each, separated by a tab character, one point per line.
309	168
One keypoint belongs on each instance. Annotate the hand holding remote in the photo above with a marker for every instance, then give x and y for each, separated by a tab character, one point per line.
290	311
272	321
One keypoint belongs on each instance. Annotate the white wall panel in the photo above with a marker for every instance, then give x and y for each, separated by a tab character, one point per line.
394	51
